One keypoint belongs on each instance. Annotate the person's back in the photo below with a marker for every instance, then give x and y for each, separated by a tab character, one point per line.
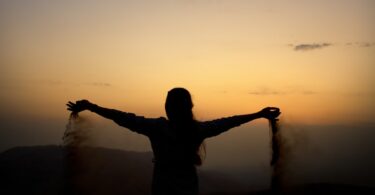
176	141
176	147
175	160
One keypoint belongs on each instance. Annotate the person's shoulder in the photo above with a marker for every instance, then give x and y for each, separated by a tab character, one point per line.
160	121
210	123
202	124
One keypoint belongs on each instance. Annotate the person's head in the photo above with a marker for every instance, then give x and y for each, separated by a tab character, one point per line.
179	105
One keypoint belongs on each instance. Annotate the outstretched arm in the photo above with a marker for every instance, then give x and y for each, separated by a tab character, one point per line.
215	127
135	123
83	105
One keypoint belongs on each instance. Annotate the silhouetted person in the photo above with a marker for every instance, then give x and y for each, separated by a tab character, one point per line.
175	141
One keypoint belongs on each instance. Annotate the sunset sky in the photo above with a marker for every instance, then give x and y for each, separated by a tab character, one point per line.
313	59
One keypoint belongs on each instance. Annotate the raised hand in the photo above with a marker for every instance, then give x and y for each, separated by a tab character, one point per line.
270	112
77	107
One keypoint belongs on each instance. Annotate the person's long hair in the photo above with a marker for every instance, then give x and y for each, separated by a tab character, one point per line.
178	107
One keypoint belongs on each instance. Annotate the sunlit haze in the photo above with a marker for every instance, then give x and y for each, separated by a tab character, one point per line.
312	59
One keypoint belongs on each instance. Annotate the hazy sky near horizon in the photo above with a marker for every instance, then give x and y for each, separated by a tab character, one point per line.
313	59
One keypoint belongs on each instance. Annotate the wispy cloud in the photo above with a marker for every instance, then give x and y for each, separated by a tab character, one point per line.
308	47
265	91
314	46
54	82
99	84
367	44
361	44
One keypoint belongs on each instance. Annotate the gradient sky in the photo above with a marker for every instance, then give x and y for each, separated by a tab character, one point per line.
313	59
234	56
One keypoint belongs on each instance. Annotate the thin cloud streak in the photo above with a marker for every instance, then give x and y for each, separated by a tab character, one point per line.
265	91
365	44
99	84
59	83
315	46
308	47
268	92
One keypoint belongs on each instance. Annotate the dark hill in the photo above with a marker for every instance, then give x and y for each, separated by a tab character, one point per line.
87	170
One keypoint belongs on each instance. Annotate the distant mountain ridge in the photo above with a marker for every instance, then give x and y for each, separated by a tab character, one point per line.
90	170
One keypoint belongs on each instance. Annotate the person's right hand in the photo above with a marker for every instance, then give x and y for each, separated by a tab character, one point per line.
79	106
270	112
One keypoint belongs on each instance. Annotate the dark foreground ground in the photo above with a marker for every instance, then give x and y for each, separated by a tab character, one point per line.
57	170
